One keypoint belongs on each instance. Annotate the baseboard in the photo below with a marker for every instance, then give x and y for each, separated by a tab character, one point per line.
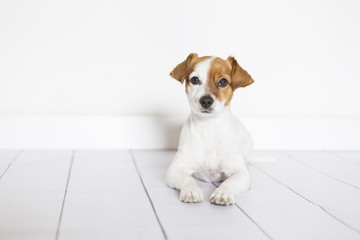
119	132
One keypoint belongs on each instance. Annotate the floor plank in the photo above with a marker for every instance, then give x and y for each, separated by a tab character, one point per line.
353	156
190	221
31	194
345	170
338	200
105	199
285	215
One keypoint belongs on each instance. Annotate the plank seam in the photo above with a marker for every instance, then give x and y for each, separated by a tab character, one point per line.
10	163
321	171
250	218
148	196
308	200
65	193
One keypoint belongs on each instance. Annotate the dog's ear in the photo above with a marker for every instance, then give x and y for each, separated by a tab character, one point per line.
180	71
239	77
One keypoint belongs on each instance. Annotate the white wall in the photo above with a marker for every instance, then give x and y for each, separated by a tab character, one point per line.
98	62
113	57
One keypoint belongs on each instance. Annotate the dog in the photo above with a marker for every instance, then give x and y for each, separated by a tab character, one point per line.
214	146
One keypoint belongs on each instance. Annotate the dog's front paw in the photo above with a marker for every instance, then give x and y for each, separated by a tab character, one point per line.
191	194
222	197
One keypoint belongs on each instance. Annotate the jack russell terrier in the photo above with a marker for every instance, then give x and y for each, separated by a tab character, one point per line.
214	145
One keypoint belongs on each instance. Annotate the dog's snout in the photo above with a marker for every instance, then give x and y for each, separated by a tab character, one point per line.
206	101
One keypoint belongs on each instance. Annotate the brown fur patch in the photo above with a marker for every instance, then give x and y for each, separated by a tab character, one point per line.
240	77
232	72
219	68
182	71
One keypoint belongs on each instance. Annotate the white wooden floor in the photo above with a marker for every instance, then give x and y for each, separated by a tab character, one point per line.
66	194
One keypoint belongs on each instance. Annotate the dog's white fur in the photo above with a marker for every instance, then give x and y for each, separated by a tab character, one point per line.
213	147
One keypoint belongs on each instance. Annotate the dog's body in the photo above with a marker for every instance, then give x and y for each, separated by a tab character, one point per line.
214	145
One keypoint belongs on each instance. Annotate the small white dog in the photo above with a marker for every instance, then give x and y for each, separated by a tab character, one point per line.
214	145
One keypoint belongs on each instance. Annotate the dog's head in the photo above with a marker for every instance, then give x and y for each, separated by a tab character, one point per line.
210	82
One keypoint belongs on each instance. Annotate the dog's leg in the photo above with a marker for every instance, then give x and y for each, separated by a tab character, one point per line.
181	179
237	182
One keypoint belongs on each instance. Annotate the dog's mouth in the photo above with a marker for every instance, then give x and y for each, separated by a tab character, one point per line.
206	110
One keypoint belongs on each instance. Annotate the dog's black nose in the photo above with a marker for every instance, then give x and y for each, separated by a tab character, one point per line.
206	101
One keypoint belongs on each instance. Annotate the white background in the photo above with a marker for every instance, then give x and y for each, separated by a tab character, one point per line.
113	58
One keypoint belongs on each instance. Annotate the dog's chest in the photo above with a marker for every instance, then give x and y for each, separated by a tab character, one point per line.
210	148
210	163
209	174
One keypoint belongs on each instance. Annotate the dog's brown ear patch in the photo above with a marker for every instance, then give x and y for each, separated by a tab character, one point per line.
239	77
182	69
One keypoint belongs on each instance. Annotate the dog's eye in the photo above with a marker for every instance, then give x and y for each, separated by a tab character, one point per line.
223	82
195	80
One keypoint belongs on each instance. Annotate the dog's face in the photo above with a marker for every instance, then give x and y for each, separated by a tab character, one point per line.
210	82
